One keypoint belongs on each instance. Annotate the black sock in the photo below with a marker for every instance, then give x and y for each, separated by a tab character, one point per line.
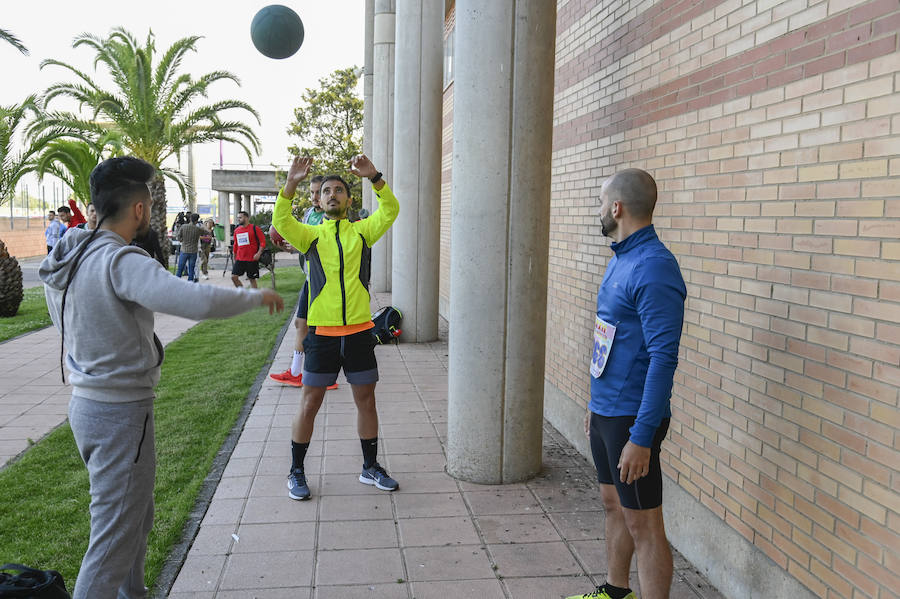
298	454
616	592
370	451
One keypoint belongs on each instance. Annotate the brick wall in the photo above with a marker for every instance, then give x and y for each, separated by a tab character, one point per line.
24	242
773	130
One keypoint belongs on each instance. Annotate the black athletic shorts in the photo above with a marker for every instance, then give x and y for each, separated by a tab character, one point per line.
609	434
325	356
303	303
249	267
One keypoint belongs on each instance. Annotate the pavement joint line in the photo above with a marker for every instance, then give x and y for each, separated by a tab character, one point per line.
178	554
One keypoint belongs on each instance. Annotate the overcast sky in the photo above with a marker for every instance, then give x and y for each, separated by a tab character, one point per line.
334	39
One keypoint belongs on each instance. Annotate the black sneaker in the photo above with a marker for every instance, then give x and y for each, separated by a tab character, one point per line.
378	476
296	484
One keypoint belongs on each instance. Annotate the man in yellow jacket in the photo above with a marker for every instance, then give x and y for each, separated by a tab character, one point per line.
339	314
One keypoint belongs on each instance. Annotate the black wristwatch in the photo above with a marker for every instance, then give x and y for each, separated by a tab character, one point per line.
375	179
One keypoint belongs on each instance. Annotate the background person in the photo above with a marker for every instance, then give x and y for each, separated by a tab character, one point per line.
189	236
54	230
248	243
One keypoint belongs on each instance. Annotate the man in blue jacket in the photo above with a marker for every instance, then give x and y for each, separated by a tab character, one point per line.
637	330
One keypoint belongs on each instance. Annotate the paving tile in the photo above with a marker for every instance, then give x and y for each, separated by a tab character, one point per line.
534	559
342	484
349	464
517	528
580	525
549	587
425	462
391	590
359	566
357	507
459	589
514	501
233	487
424	445
404	431
420	505
280	569
224	511
213	539
256	538
452	530
267	510
199	573
458	562
593	556
284	593
357	534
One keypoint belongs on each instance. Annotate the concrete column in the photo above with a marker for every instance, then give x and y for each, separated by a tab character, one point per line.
383	128
503	99
223	215
418	101
248	207
368	91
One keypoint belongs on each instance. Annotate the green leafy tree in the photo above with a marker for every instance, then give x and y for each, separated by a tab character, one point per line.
329	125
153	108
15	165
7	36
72	161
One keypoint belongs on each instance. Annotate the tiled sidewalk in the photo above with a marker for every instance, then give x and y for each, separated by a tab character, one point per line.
33	399
434	538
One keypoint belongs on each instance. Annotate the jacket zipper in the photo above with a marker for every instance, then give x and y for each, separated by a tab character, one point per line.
337	236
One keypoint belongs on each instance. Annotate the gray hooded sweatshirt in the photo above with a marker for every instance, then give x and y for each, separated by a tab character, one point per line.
113	354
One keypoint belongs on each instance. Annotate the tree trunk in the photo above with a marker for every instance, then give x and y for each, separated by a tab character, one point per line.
158	213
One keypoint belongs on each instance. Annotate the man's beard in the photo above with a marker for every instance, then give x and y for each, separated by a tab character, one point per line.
608	224
335	213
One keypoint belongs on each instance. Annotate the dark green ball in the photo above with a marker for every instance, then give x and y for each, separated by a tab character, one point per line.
277	31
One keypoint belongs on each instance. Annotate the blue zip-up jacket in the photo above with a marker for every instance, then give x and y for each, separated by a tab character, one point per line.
642	295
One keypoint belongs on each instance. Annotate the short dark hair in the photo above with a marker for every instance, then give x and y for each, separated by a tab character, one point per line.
63	209
244	212
317	179
116	183
336	178
195	218
636	189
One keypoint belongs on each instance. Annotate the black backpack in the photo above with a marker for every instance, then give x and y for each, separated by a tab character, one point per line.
387	324
31	583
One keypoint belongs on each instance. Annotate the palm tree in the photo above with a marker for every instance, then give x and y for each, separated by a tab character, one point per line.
14	166
7	36
72	161
151	107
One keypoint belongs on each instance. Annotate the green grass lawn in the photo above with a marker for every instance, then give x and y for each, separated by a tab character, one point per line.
206	377
32	315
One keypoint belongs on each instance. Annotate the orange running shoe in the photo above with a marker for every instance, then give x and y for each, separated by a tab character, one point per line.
287	378
332	387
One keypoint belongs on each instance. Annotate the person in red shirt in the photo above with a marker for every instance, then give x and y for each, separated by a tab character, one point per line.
77	217
249	243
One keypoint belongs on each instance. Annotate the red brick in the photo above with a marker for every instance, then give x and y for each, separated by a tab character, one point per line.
807	52
869	11
889	24
849	38
872	50
823	65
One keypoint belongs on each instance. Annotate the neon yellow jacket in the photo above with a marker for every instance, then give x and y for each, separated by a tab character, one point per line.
337	253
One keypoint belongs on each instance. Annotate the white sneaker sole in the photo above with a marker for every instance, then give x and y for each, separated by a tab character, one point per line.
368	481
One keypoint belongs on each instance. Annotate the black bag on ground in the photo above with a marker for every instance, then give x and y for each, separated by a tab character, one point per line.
31	583
387	324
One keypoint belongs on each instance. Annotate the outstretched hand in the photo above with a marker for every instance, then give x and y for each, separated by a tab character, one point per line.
361	166
272	300
300	166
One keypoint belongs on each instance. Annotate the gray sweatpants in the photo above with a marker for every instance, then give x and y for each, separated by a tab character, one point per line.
117	444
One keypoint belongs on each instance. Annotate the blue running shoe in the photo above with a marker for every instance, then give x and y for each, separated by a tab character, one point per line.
296	484
378	476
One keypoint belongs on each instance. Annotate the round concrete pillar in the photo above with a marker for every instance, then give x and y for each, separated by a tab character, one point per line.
223	214
368	91
383	128
502	135
417	147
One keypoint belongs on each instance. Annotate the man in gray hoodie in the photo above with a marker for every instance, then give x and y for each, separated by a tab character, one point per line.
102	293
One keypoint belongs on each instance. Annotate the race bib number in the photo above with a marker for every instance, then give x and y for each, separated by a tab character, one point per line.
243	239
603	339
